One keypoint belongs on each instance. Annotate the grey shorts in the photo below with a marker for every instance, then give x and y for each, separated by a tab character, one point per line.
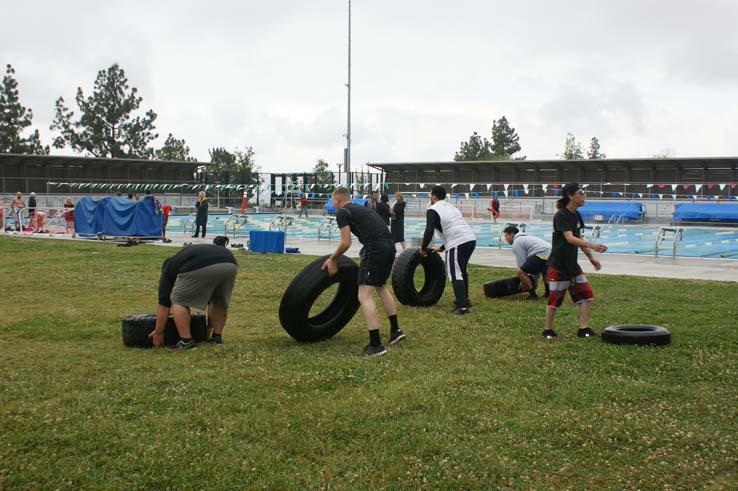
211	284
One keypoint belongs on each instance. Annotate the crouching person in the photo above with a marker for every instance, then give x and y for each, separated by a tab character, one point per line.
198	276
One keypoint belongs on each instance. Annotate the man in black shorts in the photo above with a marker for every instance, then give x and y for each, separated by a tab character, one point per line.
377	258
198	276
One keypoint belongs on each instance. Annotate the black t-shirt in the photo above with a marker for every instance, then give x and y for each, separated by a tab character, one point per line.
563	254
384	211
364	222
189	259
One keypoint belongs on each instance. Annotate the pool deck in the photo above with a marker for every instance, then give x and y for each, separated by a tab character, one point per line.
615	264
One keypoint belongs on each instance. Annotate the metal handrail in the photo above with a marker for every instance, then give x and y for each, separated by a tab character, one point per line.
189	222
664	235
281	222
234	222
595	231
327	225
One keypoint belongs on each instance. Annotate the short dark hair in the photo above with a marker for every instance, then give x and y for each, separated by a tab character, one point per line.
384	198
439	192
511	229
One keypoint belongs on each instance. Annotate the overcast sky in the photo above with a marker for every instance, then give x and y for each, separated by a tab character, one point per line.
643	76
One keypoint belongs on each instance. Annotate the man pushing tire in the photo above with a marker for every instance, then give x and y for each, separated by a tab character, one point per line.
377	257
198	276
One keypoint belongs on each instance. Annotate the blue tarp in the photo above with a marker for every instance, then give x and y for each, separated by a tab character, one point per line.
266	241
713	212
332	211
117	216
630	210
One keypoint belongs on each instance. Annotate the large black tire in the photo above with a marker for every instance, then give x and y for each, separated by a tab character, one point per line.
505	287
304	290
136	329
403	282
640	334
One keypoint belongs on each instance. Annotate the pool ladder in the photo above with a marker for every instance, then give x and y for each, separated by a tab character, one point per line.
327	227
234	223
668	234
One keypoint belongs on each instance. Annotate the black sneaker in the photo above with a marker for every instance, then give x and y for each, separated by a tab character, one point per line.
396	337
370	350
215	339
533	297
587	332
549	334
182	345
460	311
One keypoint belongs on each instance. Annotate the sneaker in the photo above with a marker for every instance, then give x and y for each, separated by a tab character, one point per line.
587	332
396	337
460	311
370	350
182	345
549	334
215	339
532	297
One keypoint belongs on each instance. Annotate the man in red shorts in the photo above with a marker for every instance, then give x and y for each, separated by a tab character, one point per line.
564	272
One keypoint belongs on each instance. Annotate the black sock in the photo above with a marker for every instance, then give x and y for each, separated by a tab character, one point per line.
374	339
394	327
459	293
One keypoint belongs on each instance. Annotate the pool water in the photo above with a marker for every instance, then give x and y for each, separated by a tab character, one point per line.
709	242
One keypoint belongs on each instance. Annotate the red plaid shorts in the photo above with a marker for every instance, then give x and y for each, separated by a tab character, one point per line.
559	282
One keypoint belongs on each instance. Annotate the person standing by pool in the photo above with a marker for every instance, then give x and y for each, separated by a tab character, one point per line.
18	204
564	272
201	219
397	226
69	216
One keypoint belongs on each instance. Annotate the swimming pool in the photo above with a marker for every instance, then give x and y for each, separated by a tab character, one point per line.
708	242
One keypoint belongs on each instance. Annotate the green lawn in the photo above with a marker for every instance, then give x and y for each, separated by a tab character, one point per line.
477	402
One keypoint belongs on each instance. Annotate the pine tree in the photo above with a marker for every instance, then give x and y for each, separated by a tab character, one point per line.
594	150
572	149
174	149
14	119
476	148
106	126
322	174
505	141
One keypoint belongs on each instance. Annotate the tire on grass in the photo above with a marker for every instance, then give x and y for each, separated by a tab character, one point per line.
403	278
506	287
638	334
136	329
304	290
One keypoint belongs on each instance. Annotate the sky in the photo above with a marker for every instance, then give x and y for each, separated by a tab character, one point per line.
643	76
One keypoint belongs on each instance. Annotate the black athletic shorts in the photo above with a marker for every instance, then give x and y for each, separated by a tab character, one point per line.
377	259
534	265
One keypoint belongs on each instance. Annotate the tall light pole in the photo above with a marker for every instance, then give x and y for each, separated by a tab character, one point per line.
347	153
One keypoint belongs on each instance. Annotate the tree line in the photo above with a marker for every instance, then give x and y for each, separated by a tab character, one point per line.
111	124
505	143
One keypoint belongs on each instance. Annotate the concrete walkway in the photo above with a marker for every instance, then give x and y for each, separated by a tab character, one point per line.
616	264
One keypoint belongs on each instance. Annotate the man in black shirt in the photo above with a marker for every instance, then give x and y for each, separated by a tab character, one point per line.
564	272
197	276
377	258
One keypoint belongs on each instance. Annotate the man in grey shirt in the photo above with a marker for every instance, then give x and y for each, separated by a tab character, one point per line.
531	254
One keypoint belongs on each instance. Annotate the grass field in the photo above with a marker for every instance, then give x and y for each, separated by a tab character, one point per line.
478	402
